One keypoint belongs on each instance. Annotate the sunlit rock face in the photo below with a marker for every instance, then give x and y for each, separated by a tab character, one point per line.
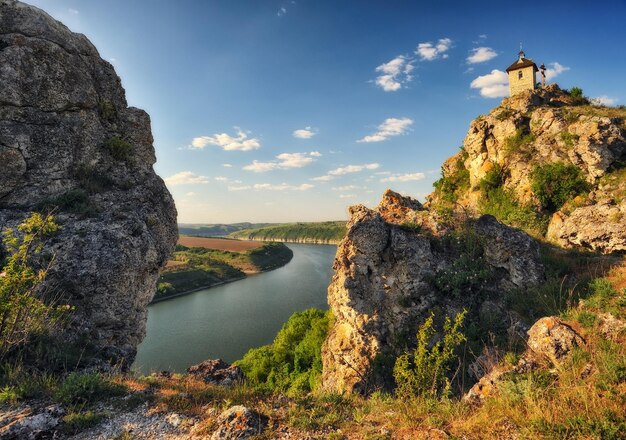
69	142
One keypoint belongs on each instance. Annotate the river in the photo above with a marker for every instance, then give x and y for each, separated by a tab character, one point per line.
226	321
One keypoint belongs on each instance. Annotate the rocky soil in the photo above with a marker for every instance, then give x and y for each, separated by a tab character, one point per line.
70	144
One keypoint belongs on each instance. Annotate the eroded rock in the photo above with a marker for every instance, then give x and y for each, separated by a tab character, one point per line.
239	422
66	130
217	372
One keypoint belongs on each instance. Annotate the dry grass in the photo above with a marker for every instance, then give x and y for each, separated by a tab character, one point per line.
221	244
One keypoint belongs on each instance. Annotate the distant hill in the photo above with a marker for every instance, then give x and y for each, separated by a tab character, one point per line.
216	230
315	232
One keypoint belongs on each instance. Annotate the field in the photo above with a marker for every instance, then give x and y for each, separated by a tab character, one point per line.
221	244
200	262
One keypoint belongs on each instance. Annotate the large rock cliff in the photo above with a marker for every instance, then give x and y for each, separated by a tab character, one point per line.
400	262
536	128
70	143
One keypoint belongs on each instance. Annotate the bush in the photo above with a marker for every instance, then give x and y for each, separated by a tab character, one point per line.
556	183
494	178
119	148
568	138
451	186
502	204
424	373
75	201
576	92
75	422
520	139
293	362
87	389
23	311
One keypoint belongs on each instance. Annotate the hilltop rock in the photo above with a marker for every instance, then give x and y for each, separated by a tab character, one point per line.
239	422
70	143
386	283
217	372
535	128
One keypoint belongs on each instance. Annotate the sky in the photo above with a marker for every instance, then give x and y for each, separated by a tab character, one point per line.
293	110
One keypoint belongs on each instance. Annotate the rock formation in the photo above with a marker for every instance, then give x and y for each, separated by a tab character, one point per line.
69	143
395	265
536	128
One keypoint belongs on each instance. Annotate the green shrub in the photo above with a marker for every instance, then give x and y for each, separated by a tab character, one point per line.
119	148
293	362
569	139
503	205
494	178
424	373
107	111
505	114
586	319
452	185
92	180
75	201
24	312
87	389
522	137
556	183
576	92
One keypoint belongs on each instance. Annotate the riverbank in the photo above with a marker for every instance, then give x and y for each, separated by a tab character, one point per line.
207	263
331	232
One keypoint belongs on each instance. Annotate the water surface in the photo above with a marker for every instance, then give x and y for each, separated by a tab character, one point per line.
226	321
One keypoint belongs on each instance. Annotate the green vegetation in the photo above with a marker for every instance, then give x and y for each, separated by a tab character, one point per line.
556	183
107	111
451	186
119	149
293	362
577	95
87	389
92	180
322	232
424	373
75	201
502	204
24	312
75	422
522	138
196	268
569	139
494	178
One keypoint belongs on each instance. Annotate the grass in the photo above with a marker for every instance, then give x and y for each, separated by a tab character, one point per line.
323	232
119	149
502	204
521	139
75	201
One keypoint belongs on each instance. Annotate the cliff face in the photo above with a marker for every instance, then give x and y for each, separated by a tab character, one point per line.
536	128
399	262
70	143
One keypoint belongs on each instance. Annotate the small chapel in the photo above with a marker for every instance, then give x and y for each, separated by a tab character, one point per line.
523	74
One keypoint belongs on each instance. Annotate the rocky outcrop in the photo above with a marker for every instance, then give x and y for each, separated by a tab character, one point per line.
550	343
239	422
391	270
217	372
535	128
69	143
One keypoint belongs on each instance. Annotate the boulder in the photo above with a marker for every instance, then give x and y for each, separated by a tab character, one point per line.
70	143
217	372
239	422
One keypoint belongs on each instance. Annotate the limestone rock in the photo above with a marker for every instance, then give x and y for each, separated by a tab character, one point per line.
239	422
67	133
382	286
217	372
24	425
612	327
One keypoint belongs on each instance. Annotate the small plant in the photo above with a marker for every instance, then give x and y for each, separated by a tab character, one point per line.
586	319
92	180
494	178
569	139
75	201
452	185
411	227
424	373
87	389
503	205
505	114
119	149
556	183
107	111
522	138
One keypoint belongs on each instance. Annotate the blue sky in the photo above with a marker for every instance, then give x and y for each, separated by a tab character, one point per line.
293	110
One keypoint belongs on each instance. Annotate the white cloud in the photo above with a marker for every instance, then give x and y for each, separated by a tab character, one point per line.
285	161
73	11
325	178
492	85
429	51
239	188
347	196
353	169
404	177
345	188
240	142
481	54
391	127
282	187
227	165
304	133
190	194
186	178
221	179
395	73
604	100
555	70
